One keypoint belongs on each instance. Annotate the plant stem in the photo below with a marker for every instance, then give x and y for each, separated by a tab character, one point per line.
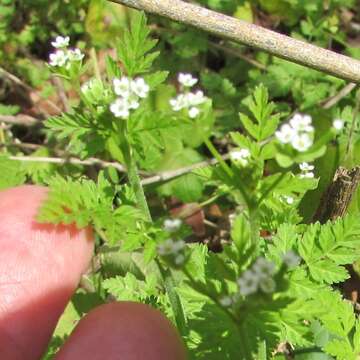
135	183
132	169
95	64
218	157
174	298
227	169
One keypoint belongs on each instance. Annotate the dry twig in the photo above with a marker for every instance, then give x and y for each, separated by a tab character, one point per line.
169	175
346	90
20	119
255	36
75	161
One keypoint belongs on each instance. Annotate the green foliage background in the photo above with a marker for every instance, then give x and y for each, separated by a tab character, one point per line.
250	94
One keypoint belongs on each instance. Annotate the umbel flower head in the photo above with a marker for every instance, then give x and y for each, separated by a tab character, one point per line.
188	100
259	276
298	133
62	56
129	92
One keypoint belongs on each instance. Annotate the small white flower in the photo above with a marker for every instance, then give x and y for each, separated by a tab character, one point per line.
302	142
60	42
179	259
267	285
226	301
172	225
187	80
120	108
171	246
75	55
286	134
178	246
307	175
338	124
179	103
122	86
240	156
58	58
263	268
248	283
288	199
194	112
195	99
304	166
302	123
291	259
140	87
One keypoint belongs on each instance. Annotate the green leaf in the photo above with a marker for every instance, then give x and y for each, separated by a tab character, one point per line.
325	248
327	271
11	173
133	48
265	122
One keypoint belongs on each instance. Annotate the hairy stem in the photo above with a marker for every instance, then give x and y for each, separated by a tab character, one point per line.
135	183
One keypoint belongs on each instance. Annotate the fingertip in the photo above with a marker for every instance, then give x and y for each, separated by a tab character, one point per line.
124	331
40	267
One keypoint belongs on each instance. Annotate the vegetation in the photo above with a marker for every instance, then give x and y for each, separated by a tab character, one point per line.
199	163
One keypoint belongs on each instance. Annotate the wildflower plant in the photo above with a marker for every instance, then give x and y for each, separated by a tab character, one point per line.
276	279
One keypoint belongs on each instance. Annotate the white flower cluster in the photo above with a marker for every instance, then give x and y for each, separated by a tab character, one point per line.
298	132
188	100
172	225
240	156
130	92
306	170
62	55
173	248
259	276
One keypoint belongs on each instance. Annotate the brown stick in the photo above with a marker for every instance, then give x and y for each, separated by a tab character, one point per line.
332	101
255	36
20	119
88	162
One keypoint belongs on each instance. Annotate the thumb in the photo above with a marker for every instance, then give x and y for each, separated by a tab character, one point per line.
40	267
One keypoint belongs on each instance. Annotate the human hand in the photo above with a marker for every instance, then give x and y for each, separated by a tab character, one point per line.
40	267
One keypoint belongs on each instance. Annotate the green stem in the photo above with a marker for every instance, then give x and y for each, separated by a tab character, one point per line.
95	64
174	298
218	157
227	170
135	183
132	171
